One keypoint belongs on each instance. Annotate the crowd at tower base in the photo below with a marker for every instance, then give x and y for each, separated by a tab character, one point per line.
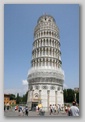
69	110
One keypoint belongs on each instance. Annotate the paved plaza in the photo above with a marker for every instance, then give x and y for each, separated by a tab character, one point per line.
12	113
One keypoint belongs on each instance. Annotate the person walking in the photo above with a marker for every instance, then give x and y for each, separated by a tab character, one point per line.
23	110
4	107
74	110
26	110
58	111
68	110
20	111
50	109
53	108
37	108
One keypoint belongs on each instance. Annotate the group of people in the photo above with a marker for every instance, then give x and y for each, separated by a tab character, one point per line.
6	106
54	108
22	110
72	110
40	109
37	108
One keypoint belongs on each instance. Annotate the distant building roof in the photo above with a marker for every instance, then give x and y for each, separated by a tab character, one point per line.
76	89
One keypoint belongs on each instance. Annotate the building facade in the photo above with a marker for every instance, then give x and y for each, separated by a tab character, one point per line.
76	89
8	101
46	77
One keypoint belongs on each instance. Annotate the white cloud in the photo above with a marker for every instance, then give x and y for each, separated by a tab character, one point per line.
24	82
65	86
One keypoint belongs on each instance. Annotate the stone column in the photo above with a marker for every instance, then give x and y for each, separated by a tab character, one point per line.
39	52
55	63
28	97
56	97
41	42
48	93
40	95
52	63
45	52
45	62
42	51
32	94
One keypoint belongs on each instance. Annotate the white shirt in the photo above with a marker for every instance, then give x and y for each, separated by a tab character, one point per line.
74	111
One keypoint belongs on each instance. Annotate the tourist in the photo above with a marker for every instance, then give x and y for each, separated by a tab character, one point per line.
62	107
23	110
20	111
53	108
26	110
16	107
8	106
74	110
58	111
50	109
37	108
68	110
4	107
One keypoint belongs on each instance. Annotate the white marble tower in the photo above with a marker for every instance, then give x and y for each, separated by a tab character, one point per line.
46	77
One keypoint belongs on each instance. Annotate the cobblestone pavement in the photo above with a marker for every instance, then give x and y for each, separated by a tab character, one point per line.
12	113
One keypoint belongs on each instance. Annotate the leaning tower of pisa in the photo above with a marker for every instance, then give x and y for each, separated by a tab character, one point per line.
46	77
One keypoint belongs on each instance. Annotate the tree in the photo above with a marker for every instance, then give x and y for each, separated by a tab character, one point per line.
77	97
68	95
12	97
65	95
24	99
21	99
17	98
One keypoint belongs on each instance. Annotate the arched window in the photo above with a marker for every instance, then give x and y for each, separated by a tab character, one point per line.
44	42
47	32
50	63
58	88
46	62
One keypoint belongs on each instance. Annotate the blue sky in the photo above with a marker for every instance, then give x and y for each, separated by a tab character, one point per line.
19	23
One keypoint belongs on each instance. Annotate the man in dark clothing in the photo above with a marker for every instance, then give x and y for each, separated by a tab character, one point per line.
26	110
